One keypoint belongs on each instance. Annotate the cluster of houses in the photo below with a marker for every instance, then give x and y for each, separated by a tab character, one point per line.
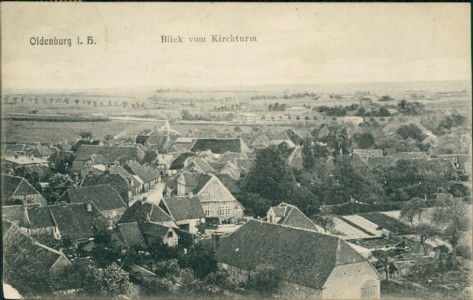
187	182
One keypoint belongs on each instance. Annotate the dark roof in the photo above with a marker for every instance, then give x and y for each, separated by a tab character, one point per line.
38	217
201	182
110	154
178	163
21	250
200	165
220	146
116	181
302	256
13	185
146	174
74	221
130	234
141	210
103	196
152	229
292	216
184	208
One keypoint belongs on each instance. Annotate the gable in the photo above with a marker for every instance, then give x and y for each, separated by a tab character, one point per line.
214	190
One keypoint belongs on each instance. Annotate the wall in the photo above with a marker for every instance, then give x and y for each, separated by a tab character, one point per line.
347	282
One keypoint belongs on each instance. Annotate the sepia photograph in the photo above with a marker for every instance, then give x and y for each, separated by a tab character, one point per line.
236	150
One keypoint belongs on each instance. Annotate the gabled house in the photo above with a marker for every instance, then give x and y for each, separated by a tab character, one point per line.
128	236
181	161
290	215
164	162
155	225
182	144
39	221
186	212
147	175
17	190
119	183
79	222
39	151
20	251
307	264
106	155
156	233
143	211
105	198
216	200
134	182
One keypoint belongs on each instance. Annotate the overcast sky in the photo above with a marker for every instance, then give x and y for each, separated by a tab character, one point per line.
296	44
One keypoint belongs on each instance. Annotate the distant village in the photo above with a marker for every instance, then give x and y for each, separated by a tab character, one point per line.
356	207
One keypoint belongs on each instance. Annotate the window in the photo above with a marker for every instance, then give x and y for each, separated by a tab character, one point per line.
228	211
207	211
221	210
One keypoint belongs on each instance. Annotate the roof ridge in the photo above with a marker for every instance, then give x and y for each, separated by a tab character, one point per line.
297	228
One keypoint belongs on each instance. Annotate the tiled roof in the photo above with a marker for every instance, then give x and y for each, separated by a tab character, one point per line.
15	186
292	216
202	181
152	229
198	164
103	196
179	162
74	221
142	211
220	146
110	154
146	174
301	256
131	234
21	250
184	208
38	217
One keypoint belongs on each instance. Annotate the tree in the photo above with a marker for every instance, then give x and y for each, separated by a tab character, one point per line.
325	220
425	232
363	140
384	261
452	219
270	177
411	209
86	135
386	98
263	281
58	185
254	204
200	259
411	131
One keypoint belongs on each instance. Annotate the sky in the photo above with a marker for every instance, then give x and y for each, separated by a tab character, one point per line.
297	43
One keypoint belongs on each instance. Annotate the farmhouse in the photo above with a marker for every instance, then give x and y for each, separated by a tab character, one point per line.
16	190
79	222
308	264
106	199
186	212
216	200
21	251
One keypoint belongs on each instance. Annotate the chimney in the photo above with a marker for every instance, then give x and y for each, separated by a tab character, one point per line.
16	156
89	206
